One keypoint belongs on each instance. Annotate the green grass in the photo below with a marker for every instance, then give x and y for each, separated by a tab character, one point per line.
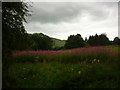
114	48
64	71
55	75
58	43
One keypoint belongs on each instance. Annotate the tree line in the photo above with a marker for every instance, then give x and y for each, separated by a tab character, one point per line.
39	41
76	41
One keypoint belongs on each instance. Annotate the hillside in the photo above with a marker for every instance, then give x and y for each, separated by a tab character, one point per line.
58	42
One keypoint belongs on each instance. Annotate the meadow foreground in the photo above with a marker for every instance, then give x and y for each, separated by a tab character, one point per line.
89	67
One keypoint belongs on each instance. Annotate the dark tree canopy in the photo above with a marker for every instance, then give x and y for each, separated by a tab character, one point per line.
41	42
98	40
13	15
74	41
116	41
14	36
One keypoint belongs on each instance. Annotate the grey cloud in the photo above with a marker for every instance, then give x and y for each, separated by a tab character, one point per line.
53	12
65	12
60	20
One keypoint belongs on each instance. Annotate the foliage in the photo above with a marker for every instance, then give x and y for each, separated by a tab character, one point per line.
13	34
74	41
98	40
116	41
13	15
41	42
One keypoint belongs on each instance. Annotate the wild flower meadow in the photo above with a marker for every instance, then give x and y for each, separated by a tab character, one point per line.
77	51
86	54
88	67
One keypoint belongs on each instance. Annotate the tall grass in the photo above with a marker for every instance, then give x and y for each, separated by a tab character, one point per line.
89	67
87	54
56	75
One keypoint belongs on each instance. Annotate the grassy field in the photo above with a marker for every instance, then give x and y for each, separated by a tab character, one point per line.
90	67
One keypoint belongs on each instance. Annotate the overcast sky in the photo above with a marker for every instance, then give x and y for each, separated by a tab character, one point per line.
59	19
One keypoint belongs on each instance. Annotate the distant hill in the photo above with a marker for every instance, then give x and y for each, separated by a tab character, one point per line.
58	42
